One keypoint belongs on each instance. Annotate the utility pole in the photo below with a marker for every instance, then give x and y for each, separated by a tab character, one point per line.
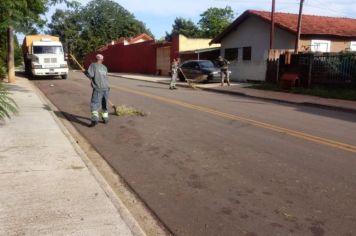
271	39
296	49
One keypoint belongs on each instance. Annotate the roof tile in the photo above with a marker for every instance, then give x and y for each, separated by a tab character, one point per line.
313	25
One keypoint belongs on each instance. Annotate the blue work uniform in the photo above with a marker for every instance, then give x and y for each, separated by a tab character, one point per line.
98	74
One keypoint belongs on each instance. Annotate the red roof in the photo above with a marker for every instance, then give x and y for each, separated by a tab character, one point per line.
129	40
132	40
143	36
311	25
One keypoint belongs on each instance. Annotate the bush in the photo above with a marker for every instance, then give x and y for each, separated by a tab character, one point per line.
7	105
2	70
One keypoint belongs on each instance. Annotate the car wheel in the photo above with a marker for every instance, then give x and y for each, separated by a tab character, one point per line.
64	76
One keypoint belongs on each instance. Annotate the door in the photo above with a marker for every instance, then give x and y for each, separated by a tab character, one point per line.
163	60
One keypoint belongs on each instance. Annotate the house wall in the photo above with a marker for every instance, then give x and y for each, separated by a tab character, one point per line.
336	45
253	32
304	45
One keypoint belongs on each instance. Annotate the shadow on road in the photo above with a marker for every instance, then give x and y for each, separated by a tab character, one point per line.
84	121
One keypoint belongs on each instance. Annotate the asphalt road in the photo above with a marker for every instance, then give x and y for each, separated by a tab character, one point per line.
213	164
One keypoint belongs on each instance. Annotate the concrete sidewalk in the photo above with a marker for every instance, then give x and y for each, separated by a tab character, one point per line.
242	90
46	187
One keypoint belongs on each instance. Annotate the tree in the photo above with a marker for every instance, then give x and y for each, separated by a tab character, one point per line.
86	28
67	26
184	27
20	16
214	20
3	53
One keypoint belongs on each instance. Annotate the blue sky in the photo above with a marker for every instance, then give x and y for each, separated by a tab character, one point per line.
160	14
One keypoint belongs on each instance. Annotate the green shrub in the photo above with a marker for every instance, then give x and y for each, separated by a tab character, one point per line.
7	105
2	70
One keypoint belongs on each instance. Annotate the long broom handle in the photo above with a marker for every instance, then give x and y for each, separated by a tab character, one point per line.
83	70
77	62
185	77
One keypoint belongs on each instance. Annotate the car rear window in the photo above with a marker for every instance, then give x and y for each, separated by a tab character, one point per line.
206	64
190	64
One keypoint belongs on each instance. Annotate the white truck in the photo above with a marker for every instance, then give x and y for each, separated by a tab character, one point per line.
44	56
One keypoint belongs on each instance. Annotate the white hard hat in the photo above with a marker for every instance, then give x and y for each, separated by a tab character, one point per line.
99	57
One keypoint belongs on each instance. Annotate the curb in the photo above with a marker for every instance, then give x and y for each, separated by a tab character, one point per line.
309	104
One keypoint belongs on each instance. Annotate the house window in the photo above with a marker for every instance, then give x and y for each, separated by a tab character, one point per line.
247	53
320	45
353	46
231	54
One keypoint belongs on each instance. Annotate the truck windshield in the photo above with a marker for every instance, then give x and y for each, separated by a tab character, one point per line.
47	50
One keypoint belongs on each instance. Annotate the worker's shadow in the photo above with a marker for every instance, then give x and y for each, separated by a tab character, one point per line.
84	121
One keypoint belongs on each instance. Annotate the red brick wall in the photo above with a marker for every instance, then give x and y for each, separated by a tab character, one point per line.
135	58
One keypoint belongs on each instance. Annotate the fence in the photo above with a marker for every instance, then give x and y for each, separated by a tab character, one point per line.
315	69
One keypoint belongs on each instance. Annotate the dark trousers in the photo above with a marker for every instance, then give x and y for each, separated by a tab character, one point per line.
225	75
99	101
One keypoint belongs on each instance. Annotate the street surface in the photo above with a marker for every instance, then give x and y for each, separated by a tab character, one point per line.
213	164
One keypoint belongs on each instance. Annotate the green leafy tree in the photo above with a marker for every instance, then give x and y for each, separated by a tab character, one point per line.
67	26
7	104
3	53
214	20
185	27
86	28
22	15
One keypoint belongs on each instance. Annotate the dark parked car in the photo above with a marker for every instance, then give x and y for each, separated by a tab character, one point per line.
199	71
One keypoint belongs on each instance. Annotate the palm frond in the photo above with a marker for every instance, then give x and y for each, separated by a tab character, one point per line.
8	105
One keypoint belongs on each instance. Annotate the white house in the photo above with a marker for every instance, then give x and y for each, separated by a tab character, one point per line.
245	43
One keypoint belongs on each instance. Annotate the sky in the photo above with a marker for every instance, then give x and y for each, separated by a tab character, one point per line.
159	15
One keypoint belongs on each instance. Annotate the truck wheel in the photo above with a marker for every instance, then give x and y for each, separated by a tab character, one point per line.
64	76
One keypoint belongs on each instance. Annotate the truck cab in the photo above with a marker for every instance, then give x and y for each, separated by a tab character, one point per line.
44	56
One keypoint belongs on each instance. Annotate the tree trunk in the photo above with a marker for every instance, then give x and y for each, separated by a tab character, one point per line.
10	54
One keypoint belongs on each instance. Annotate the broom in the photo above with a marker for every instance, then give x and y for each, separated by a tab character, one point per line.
190	83
116	109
